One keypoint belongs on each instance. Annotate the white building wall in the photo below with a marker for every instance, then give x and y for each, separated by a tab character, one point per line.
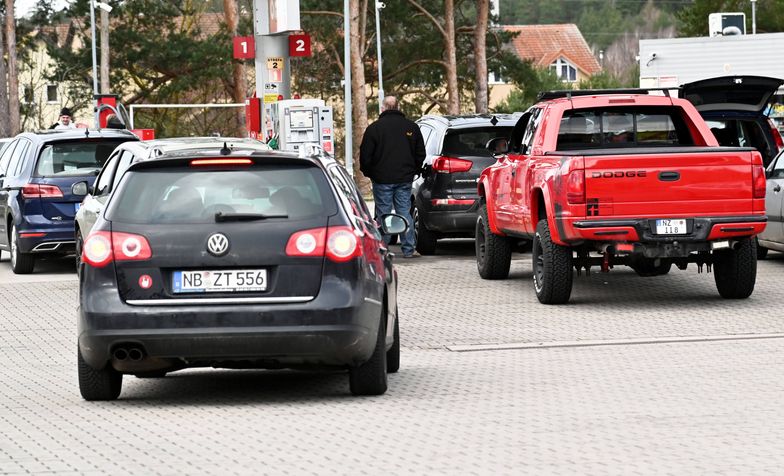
683	60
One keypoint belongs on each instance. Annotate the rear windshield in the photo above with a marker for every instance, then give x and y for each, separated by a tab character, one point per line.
472	142
158	196
74	158
623	127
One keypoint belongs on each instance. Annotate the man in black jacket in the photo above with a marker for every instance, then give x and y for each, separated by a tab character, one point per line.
391	155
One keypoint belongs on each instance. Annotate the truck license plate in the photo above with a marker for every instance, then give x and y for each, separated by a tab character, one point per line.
219	281
671	227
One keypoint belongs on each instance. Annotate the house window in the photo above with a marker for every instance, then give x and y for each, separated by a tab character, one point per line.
564	70
51	93
494	77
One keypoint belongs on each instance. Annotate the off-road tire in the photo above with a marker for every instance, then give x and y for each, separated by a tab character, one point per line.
97	385
21	263
493	252
552	265
370	378
646	267
735	270
762	252
426	240
393	354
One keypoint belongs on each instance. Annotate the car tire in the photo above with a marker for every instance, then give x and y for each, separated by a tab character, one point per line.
647	267
78	246
762	252
493	252
370	378
98	385
21	263
393	354
552	266
735	270
426	240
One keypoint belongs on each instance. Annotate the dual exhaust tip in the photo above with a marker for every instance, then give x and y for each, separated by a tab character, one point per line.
132	353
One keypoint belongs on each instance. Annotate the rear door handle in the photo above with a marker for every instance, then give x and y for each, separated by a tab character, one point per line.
777	188
669	176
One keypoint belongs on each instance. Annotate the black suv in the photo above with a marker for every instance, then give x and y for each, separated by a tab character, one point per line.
38	172
236	258
735	108
445	197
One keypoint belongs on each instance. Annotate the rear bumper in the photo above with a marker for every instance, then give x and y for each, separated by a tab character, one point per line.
57	237
450	219
318	332
52	241
701	229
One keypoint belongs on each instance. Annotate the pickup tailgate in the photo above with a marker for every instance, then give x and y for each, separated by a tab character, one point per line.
687	182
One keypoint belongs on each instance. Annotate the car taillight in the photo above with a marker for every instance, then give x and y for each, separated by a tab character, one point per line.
338	243
102	247
759	181
34	190
776	135
342	244
307	243
97	249
575	187
449	165
130	247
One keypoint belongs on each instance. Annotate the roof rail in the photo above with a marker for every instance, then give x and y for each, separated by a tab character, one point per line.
568	93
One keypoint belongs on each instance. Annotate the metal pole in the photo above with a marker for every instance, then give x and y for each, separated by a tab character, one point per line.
347	88
95	61
105	87
379	6
753	17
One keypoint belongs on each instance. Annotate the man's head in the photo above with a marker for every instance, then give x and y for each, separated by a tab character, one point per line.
65	116
390	103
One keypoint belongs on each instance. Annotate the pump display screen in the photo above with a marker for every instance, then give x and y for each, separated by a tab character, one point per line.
301	119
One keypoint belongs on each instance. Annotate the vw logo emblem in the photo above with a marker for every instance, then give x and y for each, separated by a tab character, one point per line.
218	244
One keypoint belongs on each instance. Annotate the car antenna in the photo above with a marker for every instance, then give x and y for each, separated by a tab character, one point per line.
225	150
87	132
494	120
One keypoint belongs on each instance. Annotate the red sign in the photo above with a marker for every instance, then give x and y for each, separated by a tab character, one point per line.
144	134
299	45
244	47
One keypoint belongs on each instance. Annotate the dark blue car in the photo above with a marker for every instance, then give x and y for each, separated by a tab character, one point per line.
37	200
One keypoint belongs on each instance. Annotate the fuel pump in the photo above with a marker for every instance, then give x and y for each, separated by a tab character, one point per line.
299	123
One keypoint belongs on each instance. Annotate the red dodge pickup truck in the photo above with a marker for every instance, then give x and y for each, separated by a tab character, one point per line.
598	178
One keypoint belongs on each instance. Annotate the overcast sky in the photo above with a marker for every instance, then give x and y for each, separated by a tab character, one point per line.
23	7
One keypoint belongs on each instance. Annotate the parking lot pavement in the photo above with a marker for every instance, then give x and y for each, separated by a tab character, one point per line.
669	408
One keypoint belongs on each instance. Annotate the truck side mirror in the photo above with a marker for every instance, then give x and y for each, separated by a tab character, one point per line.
498	145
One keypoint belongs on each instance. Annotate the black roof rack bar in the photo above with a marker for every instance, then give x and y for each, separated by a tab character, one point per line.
569	93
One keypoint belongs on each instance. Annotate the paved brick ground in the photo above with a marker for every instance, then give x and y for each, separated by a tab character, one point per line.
691	408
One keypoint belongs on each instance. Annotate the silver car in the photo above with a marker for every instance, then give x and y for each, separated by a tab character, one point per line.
772	238
129	153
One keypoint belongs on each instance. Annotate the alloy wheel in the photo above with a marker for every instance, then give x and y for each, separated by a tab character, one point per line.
14	246
538	264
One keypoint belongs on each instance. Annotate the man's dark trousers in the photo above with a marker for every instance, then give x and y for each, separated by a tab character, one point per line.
397	196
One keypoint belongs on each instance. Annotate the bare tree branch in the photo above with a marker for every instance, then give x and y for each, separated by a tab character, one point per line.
432	19
410	65
321	12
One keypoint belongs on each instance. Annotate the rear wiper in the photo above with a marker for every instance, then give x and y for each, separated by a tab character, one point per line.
223	217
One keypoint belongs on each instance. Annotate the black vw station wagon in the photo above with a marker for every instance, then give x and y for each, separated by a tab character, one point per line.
233	258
